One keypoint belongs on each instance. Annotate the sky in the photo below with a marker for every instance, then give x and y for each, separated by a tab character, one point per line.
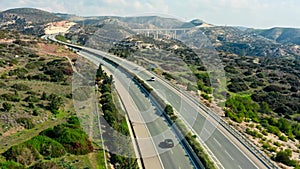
249	13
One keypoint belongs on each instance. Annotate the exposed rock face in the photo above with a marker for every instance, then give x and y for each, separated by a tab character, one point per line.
58	27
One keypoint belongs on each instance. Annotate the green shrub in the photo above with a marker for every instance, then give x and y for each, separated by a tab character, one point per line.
269	147
41	77
259	127
55	102
199	151
22	153
265	132
21	87
34	64
284	125
35	112
233	116
10	97
285	157
32	150
168	76
47	164
19	72
55	70
123	162
47	146
3	85
191	87
74	140
276	143
74	121
296	130
11	165
237	87
26	122
273	130
61	38
6	106
231	69
283	138
32	98
242	107
33	55
206	96
253	133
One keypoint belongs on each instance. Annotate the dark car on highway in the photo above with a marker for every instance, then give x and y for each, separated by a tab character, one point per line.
169	143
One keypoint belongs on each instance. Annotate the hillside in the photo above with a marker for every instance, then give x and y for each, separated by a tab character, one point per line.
26	20
30	15
225	39
35	102
234	40
30	68
140	22
100	35
281	35
262	91
133	22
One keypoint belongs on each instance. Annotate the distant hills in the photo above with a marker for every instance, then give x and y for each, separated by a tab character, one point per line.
30	15
26	20
274	42
280	35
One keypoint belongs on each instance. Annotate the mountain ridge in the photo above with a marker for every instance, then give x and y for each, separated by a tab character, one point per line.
26	20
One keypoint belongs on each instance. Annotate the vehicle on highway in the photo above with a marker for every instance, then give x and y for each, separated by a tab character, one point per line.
169	143
152	79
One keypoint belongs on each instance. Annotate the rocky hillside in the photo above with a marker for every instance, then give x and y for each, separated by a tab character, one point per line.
224	39
100	35
280	35
234	40
26	20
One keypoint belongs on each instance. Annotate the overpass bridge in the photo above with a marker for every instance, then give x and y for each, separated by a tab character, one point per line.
162	32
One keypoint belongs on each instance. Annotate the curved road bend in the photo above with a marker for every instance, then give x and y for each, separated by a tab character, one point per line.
229	151
148	124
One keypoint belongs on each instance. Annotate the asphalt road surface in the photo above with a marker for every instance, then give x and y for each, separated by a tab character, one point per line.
171	158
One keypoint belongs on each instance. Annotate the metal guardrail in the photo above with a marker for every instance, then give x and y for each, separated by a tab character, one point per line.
241	138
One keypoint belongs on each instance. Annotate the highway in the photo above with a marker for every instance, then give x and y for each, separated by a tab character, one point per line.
225	151
171	158
228	150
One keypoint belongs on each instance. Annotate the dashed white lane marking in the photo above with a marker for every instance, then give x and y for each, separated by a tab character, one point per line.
240	167
217	142
228	155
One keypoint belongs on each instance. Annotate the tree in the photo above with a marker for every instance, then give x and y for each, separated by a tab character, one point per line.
44	96
284	125
54	103
284	157
100	72
264	108
7	106
191	87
